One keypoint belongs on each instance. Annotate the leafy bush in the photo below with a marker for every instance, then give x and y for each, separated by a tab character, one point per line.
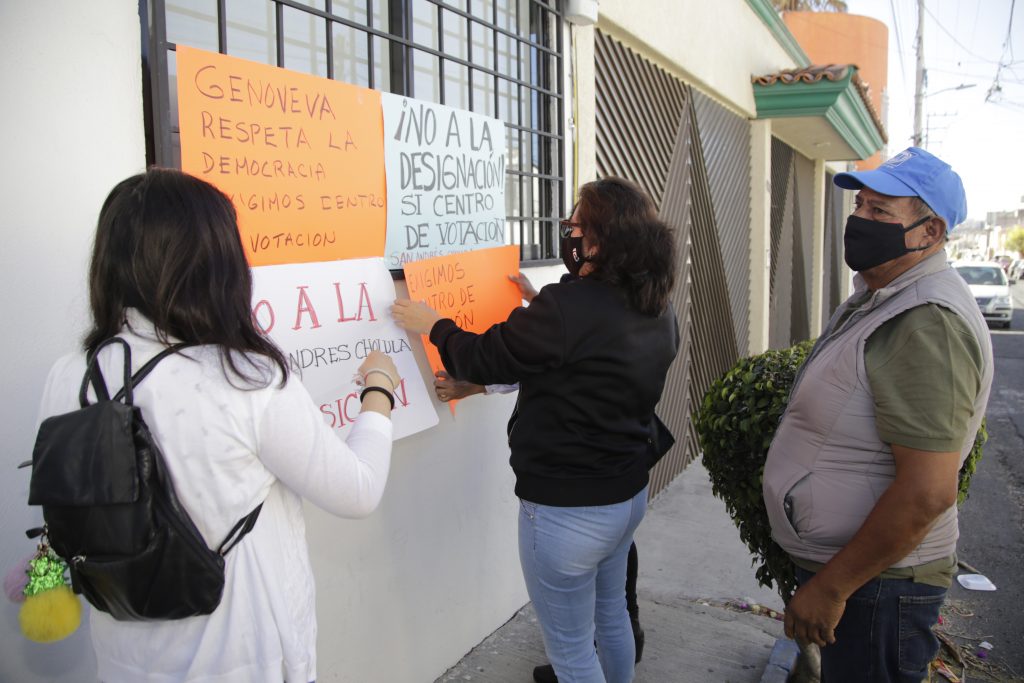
735	425
971	464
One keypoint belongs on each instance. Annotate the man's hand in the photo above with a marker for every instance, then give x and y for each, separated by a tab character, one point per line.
924	487
526	288
813	613
448	388
414	316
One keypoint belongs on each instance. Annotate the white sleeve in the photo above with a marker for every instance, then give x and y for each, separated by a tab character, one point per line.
345	478
60	393
500	388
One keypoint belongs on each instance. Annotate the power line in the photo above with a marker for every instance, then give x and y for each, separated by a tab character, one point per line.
1007	43
899	43
1009	38
954	38
996	88
965	76
1006	104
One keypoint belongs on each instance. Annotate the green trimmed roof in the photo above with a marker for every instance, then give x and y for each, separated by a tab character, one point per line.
823	111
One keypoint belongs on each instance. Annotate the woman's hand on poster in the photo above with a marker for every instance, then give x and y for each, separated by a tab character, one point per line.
448	388
379	377
379	370
414	316
526	289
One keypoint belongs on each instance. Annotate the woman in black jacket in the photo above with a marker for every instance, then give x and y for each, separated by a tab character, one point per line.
590	355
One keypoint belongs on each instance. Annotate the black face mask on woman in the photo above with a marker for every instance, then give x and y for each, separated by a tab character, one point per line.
572	254
871	243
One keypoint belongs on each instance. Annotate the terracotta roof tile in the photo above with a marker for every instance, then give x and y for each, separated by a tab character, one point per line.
831	72
810	74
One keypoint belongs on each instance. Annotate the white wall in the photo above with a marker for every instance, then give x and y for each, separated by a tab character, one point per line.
70	129
401	595
715	45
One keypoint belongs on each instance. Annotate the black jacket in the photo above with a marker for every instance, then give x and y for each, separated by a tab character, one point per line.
590	371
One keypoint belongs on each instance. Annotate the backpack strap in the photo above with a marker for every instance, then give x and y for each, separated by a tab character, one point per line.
99	385
93	374
126	389
241	528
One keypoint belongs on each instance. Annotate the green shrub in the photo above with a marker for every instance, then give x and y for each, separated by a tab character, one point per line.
735	425
971	464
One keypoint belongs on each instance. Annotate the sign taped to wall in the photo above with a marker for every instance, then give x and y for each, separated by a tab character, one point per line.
326	318
301	157
327	178
445	180
471	288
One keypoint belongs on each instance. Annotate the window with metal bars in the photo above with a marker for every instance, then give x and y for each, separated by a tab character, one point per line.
500	58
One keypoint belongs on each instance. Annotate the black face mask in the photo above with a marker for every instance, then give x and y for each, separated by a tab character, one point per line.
572	254
871	243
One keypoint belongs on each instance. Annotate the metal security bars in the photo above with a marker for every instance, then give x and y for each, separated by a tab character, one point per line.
500	58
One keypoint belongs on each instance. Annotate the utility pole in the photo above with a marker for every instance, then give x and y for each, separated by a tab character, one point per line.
919	89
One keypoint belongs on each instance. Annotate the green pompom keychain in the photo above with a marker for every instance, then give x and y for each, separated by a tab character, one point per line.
51	611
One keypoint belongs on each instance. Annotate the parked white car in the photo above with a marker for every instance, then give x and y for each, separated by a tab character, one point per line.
991	289
1016	270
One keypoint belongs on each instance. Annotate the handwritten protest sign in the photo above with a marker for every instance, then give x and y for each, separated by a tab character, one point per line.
327	317
301	157
445	180
471	288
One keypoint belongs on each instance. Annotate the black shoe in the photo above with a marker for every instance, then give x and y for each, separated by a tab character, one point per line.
545	674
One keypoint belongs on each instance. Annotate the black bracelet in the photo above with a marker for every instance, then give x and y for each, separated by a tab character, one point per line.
366	390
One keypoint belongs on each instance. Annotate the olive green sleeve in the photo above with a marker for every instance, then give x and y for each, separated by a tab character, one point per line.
924	368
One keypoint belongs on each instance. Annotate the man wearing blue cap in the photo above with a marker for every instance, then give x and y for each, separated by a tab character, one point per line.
860	483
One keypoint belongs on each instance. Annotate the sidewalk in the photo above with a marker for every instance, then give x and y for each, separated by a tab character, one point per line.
691	563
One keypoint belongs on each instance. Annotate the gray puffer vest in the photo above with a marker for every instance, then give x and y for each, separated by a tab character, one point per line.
827	466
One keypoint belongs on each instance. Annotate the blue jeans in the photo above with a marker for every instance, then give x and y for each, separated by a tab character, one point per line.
885	633
574	563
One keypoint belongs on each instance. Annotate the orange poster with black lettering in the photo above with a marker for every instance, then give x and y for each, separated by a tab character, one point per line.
301	157
472	288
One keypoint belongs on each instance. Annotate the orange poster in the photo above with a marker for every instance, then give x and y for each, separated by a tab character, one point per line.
471	288
301	157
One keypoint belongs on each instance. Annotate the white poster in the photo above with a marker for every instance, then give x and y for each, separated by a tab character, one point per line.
445	180
326	317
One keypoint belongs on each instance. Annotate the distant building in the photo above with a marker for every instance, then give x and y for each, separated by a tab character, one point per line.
1005	219
842	38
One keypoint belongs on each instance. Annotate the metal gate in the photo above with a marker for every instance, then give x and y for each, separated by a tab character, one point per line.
792	219
692	155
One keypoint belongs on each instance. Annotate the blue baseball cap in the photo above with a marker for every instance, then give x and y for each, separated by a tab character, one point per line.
915	173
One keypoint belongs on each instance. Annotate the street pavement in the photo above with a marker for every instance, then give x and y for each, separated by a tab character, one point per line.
992	518
694	575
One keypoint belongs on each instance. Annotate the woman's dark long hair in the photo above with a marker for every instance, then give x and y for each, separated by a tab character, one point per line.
167	244
636	250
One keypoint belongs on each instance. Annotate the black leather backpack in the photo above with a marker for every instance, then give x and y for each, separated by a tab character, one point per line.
111	512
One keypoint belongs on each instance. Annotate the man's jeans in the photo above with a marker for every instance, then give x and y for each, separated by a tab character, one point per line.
885	633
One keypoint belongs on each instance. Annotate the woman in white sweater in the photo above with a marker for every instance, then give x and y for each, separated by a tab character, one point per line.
236	429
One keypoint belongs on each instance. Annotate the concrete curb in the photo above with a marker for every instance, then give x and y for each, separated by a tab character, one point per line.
781	662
